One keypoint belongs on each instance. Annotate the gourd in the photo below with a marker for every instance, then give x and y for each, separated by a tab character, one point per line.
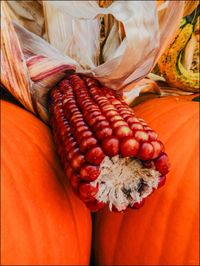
180	62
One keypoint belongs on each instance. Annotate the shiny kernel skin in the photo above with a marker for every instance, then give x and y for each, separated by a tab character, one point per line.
95	156
129	146
111	146
123	131
104	133
146	151
87	143
89	122
87	192
89	172
76	161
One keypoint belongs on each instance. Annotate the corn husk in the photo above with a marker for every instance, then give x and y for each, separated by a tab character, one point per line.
136	35
30	66
190	6
149	88
14	72
28	14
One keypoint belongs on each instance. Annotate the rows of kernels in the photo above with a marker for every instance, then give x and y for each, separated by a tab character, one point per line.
67	145
89	122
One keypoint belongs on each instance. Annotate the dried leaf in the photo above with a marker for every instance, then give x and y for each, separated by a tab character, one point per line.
30	66
147	89
46	67
58	26
141	47
127	60
111	44
14	72
190	7
27	13
68	35
142	88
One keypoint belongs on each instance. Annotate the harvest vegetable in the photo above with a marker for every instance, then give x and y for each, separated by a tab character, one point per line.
42	221
110	156
180	62
166	230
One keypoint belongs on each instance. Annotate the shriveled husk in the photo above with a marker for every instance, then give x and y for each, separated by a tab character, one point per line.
190	7
30	66
152	87
136	34
28	14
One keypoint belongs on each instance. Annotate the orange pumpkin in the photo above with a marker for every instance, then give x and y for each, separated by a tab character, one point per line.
165	230
43	222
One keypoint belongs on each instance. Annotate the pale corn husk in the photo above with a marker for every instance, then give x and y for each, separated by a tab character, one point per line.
188	8
14	72
147	89
120	68
30	66
29	14
140	41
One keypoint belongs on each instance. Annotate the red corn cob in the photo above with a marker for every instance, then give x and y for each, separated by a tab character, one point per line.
109	155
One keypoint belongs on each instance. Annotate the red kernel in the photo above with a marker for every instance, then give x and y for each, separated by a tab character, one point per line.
141	136
95	156
87	192
76	161
87	143
89	172
146	151
129	147
123	131
104	133
111	146
162	164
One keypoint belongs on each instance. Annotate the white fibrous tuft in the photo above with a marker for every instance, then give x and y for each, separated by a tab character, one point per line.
124	181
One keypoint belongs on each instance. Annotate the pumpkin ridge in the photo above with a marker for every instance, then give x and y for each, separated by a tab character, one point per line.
162	114
154	205
74	219
117	239
189	242
170	210
46	158
176	129
156	102
165	238
58	175
23	200
61	187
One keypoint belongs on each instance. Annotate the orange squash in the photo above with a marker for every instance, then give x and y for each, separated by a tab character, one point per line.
166	230
43	222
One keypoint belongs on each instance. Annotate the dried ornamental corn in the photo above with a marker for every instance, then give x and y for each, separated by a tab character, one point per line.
110	156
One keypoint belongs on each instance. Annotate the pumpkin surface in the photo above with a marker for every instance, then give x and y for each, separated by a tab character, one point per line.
43	222
165	231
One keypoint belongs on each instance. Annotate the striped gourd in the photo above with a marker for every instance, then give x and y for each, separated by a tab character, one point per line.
170	63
